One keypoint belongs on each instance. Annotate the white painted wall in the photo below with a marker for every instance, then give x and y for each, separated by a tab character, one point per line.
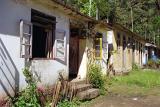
11	64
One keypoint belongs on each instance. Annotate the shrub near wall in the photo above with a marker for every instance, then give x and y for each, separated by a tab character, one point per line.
96	77
29	97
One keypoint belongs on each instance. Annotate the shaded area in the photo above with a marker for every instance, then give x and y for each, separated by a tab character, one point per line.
9	75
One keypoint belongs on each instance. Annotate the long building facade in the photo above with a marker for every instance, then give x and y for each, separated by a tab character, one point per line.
50	38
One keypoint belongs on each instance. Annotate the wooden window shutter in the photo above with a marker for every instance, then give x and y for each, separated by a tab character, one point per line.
60	44
25	39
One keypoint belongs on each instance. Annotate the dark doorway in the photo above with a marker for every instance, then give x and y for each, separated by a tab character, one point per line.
133	52
73	54
124	51
43	34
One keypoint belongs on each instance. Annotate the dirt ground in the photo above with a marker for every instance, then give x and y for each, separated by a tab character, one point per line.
121	101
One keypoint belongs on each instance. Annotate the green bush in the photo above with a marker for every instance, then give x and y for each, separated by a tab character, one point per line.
29	97
66	103
96	77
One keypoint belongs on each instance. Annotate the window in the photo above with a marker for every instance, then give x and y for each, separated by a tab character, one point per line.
37	37
118	40
98	48
43	35
60	44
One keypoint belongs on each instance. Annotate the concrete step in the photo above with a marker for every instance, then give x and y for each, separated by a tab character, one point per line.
75	81
82	87
88	94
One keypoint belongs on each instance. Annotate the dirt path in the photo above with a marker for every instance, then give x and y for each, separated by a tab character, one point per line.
119	101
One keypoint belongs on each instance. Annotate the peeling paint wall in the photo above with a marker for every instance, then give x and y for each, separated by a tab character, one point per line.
122	56
138	54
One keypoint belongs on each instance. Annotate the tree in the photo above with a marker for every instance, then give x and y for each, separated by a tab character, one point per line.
140	16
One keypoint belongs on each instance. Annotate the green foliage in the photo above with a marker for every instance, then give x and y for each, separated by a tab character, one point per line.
96	77
66	103
156	21
144	79
146	19
29	97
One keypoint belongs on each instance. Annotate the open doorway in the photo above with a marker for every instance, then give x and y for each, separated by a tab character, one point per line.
43	35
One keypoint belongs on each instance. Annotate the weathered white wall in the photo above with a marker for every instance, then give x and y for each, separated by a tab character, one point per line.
11	64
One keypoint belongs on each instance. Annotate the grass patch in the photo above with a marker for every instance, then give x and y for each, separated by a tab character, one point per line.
146	79
138	82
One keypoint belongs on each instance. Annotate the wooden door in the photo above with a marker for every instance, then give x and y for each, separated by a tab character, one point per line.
73	56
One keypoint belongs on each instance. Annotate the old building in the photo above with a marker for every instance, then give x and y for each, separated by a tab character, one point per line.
44	35
128	49
50	37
